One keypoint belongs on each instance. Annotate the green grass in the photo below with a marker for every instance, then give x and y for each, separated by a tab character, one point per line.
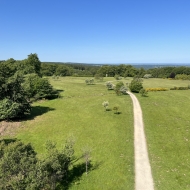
80	113
167	127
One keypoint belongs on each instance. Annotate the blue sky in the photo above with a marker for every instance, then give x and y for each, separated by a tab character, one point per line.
96	31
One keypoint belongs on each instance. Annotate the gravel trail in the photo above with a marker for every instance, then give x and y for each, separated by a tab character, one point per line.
143	175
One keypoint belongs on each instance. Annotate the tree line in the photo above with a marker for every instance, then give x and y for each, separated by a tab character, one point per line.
74	69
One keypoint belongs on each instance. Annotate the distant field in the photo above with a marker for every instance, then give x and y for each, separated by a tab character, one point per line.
80	113
167	126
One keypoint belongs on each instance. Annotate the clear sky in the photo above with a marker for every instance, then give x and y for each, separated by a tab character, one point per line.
96	31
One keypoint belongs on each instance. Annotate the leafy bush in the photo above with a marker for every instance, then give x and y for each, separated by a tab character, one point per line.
136	85
179	88
110	86
39	88
13	99
116	108
182	77
98	77
89	81
10	109
120	88
21	169
147	76
143	92
106	104
117	77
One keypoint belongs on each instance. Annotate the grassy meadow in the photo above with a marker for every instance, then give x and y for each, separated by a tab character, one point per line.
167	128
79	113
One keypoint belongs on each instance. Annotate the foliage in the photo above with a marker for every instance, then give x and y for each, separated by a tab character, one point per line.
63	70
105	104
116	108
13	100
38	88
136	85
57	163
86	155
182	77
168	72
20	168
110	86
121	70
120	88
17	163
143	92
155	89
89	81
147	76
34	62
179	88
117	77
99	77
19	82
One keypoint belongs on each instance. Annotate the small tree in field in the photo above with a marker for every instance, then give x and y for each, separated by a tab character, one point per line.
120	88
110	86
105	104
89	81
143	92
116	108
136	85
86	156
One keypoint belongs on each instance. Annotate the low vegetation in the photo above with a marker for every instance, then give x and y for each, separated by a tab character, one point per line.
166	120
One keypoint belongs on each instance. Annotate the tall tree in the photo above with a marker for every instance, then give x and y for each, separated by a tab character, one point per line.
34	61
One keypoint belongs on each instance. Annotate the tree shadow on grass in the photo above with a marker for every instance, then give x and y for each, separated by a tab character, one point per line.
76	173
8	141
37	111
118	113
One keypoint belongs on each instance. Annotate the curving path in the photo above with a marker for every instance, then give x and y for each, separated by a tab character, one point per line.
143	175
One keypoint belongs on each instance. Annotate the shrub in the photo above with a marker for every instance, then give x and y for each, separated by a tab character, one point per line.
120	88
39	88
147	76
116	108
110	86
179	88
136	85
10	109
98	77
89	81
143	92
105	104
117	77
182	77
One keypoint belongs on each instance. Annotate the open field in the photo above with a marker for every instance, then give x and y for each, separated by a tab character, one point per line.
167	127
79	113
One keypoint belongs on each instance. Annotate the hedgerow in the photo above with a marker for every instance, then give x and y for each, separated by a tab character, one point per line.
155	89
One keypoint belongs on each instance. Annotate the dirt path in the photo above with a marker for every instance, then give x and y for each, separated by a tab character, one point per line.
143	175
